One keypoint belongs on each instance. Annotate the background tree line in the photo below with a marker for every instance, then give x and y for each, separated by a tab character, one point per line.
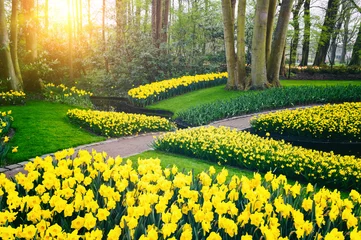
111	45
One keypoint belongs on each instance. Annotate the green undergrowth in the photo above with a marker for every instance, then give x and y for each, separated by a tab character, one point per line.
183	102
42	127
274	98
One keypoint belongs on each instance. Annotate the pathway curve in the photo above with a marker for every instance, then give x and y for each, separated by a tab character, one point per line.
128	146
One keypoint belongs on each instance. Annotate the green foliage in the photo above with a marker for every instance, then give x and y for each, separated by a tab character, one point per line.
5	124
339	70
45	126
273	98
71	96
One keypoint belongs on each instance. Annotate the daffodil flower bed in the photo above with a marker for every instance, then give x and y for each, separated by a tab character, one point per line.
156	91
95	197
115	124
68	95
238	148
5	123
340	122
12	98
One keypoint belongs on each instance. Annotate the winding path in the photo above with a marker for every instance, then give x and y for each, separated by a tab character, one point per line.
132	145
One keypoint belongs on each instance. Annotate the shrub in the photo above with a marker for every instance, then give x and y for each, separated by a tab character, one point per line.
333	122
327	69
114	124
72	96
273	98
5	123
12	98
97	198
153	92
246	150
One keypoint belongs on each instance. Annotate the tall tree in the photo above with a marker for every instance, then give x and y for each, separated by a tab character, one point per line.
335	34
306	33
326	33
14	39
46	15
30	30
345	33
229	43
241	45
270	23
278	44
120	20
356	51
258	67
296	29
5	55
70	44
104	39
165	21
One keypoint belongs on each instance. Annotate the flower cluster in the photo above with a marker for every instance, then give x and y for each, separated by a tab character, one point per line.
5	123
95	197
153	92
114	124
243	149
12	98
62	94
333	122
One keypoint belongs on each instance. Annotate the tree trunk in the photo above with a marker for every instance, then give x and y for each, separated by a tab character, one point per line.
283	63
120	21
259	68
229	43
156	21
345	32
46	16
5	55
333	47
326	33
241	45
14	40
165	16
90	25
70	44
270	22
306	33
278	44
356	51
30	30
296	30
106	64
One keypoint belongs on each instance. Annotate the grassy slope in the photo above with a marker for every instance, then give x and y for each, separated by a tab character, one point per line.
185	101
42	127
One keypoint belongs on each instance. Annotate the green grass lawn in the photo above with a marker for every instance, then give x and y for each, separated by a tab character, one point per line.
191	99
42	127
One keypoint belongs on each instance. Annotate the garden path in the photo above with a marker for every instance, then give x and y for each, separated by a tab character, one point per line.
128	146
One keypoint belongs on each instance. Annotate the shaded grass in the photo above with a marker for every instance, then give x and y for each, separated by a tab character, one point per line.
186	164
180	103
42	127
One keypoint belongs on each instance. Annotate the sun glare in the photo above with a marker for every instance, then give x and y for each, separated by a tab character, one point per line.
58	11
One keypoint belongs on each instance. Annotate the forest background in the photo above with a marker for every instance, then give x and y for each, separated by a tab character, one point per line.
110	46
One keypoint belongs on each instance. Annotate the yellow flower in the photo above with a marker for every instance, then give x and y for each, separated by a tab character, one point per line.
77	223
214	236
14	149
